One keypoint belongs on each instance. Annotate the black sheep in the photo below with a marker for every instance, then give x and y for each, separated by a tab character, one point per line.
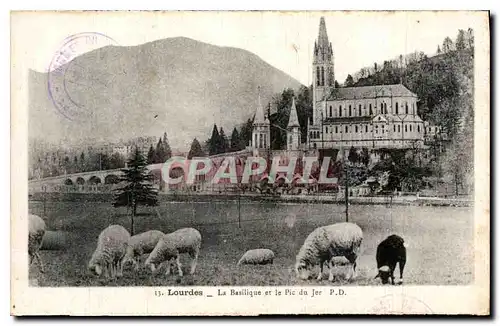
390	252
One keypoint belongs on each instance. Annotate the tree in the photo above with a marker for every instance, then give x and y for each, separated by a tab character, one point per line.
460	42
235	141
139	187
365	156
195	150
246	133
353	156
213	141
222	144
167	151
151	155
82	162
159	153
470	38
116	161
349	81
438	50
337	85
447	45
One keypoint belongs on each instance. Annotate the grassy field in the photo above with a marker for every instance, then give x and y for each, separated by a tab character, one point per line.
440	241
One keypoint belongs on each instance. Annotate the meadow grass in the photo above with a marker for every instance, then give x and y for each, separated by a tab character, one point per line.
440	241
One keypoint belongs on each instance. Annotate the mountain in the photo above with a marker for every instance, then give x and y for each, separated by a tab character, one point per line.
178	85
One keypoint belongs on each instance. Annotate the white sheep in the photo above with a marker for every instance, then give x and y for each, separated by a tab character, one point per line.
257	256
326	242
111	248
171	245
140	244
36	229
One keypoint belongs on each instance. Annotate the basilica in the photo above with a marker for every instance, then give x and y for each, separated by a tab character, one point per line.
374	117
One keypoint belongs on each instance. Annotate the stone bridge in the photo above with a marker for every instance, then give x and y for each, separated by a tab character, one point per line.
83	179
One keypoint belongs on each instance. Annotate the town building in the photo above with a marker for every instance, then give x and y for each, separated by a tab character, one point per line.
382	116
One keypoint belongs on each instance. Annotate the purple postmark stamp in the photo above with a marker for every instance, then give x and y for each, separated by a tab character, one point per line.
74	83
400	304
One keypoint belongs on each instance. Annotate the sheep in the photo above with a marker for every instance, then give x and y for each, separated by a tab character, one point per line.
140	244
111	248
171	245
257	256
36	231
390	251
326	242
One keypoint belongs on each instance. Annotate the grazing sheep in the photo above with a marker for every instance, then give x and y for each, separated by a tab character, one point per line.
257	256
36	229
171	245
326	242
140	244
111	247
390	252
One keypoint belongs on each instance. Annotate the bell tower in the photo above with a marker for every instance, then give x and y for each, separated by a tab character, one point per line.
323	73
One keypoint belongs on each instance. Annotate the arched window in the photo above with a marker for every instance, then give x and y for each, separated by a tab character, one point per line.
399	128
340	110
406	107
397	108
410	127
366	128
376	129
350	111
385	108
322	76
406	128
331	111
345	128
394	128
318	76
336	129
418	128
356	127
371	111
360	110
383	128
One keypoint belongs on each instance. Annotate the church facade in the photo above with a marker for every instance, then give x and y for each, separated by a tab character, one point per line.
383	116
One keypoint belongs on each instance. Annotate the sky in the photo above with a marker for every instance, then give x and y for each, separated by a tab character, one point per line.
283	39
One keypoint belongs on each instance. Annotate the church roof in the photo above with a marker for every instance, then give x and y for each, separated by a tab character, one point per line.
352	93
293	121
259	113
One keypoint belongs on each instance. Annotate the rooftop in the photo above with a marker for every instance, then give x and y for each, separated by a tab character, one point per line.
352	93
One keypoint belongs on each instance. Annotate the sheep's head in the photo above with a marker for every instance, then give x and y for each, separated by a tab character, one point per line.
384	273
95	268
303	270
151	263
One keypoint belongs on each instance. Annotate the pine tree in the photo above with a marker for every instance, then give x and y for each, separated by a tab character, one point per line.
213	142
151	155
138	189
166	147
222	145
195	150
159	153
235	141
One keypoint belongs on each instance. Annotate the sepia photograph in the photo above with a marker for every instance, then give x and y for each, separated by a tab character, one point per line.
229	156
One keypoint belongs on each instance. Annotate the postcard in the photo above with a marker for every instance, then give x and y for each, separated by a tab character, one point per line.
209	163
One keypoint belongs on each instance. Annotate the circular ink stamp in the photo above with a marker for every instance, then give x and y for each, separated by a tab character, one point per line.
74	85
400	304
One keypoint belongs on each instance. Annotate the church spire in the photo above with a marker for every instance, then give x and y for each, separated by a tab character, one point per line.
323	36
259	113
294	120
